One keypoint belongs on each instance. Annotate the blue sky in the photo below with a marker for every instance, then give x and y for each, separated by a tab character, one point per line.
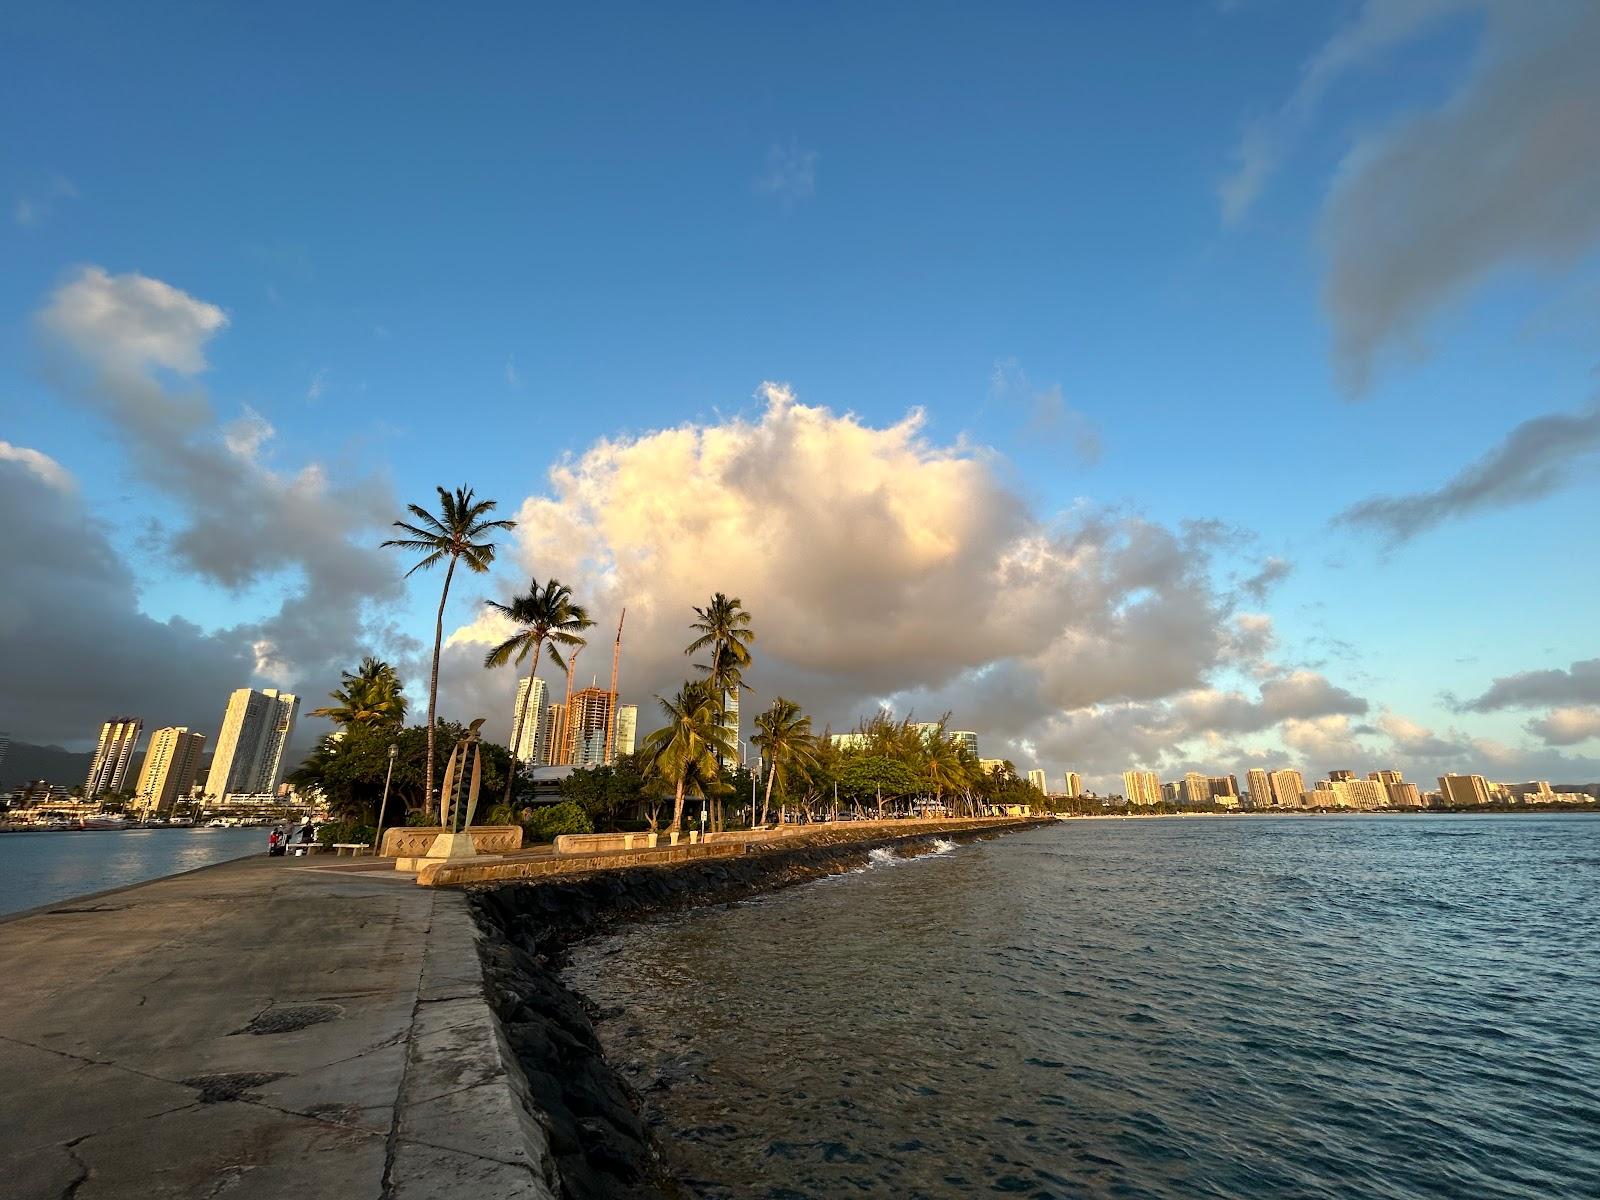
456	247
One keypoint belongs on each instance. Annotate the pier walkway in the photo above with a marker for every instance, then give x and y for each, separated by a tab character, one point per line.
258	1029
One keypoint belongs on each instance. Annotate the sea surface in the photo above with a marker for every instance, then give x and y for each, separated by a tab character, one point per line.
1357	1006
43	868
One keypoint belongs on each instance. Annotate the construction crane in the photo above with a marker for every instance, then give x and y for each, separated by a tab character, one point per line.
566	711
616	659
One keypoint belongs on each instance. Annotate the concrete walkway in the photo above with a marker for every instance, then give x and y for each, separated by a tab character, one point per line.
264	1028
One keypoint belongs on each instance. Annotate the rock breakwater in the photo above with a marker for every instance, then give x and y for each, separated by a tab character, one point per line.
601	1144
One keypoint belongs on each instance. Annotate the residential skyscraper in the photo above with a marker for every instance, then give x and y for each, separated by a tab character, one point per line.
169	769
529	709
256	727
730	716
109	767
1141	787
627	728
967	740
1287	787
554	736
1074	783
1036	777
1196	788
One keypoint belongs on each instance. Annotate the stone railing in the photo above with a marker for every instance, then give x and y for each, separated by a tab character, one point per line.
412	841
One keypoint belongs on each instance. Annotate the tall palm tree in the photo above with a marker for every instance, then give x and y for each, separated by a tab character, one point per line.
724	628
369	695
783	736
685	751
458	533
546	616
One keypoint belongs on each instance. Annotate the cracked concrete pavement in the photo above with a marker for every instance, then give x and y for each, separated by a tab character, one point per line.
262	1028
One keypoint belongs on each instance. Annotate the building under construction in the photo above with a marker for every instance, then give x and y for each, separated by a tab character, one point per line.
582	731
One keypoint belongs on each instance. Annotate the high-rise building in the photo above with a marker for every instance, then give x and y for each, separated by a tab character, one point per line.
1074	783
848	741
527	721
987	765
169	769
1462	790
730	718
256	726
109	767
1037	779
588	721
627	728
928	729
1224	786
1358	793
966	740
5	744
1196	788
554	737
1403	795
1260	788
1340	776
1287	788
1141	787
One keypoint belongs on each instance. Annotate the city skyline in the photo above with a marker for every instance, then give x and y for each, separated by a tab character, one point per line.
931	420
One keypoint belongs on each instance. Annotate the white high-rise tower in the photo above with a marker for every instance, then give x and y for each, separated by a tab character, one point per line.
109	768
255	729
530	748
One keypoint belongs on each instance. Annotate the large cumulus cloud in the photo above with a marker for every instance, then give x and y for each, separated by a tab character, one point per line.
883	567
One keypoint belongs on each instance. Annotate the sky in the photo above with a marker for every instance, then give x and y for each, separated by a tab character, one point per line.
1180	385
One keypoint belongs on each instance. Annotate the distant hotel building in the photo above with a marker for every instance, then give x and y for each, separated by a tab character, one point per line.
109	767
528	721
1460	791
1196	788
1399	793
170	765
1141	787
849	741
255	729
1074	783
1260	790
966	740
588	721
1037	779
1287	788
730	717
554	735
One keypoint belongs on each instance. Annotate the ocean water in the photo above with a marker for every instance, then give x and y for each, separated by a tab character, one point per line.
1358	1007
43	868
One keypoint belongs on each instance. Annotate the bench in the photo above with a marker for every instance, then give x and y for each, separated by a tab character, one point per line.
355	848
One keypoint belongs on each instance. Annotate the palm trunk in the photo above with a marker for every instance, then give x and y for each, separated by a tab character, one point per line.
677	808
522	717
766	800
433	679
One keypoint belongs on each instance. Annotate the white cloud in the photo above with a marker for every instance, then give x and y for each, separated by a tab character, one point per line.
881	566
132	321
44	468
790	174
512	378
1566	726
318	384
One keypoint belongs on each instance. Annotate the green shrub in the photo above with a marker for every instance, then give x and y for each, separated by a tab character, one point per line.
546	823
423	818
332	832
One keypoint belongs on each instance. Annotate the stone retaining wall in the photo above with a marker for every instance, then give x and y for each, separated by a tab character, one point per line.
412	841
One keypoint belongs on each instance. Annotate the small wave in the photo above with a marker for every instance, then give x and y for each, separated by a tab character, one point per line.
943	845
881	857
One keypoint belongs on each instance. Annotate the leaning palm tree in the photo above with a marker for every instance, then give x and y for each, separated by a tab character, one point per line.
546	616
457	534
783	736
724	629
685	752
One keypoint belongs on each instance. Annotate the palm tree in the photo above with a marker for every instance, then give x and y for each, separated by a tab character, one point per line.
783	736
724	628
685	751
369	695
546	616
458	534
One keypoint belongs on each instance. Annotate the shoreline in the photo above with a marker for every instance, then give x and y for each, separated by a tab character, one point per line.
592	1118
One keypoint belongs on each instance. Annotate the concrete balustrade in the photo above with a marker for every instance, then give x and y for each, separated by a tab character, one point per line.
413	841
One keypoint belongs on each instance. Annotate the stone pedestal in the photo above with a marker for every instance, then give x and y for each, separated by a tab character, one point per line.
447	847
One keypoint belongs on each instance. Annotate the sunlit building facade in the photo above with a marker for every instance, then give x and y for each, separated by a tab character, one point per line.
108	770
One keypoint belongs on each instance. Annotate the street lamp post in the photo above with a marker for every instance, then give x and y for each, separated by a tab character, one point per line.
377	838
